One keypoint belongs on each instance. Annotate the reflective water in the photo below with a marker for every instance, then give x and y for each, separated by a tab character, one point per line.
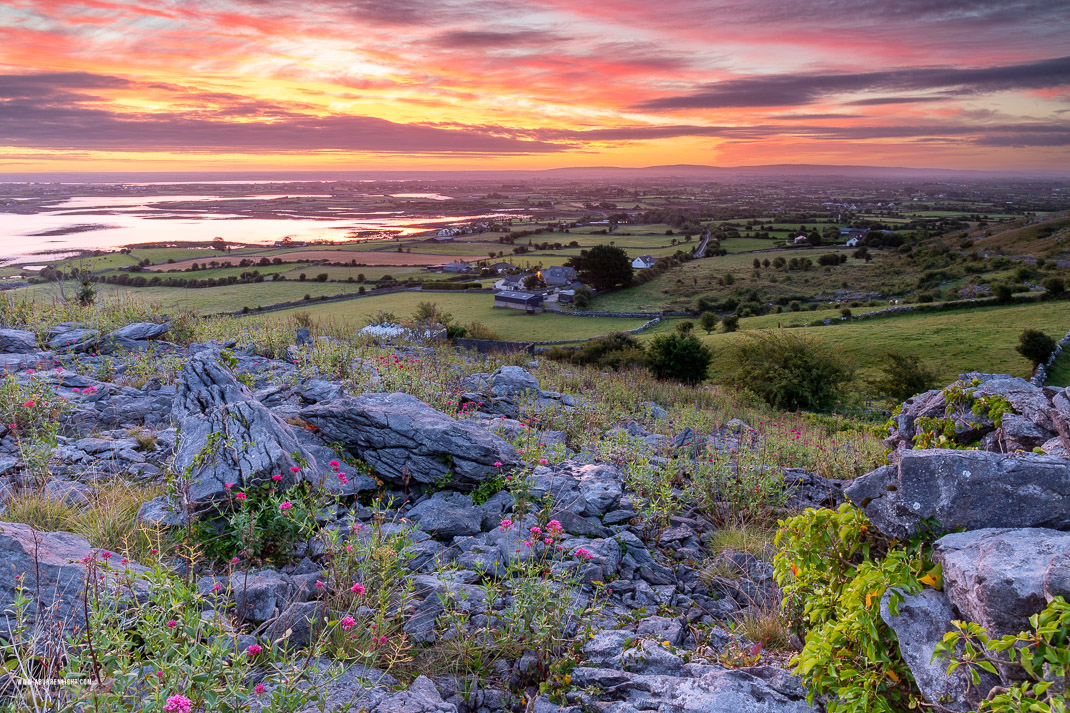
110	222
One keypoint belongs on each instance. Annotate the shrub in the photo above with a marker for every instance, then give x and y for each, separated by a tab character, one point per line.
478	330
1055	286
835	568
790	371
708	321
730	323
679	357
903	376
614	351
582	298
685	327
1035	346
1003	292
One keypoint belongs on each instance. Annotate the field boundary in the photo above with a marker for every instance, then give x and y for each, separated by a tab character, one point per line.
1041	374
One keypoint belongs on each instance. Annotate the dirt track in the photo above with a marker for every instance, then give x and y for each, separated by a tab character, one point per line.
364	257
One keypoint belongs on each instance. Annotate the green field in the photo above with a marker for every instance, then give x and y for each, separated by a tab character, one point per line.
981	339
208	300
510	324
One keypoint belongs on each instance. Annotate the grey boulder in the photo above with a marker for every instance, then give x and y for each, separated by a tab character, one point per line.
964	489
447	515
920	622
1000	577
403	438
17	341
140	331
227	436
52	569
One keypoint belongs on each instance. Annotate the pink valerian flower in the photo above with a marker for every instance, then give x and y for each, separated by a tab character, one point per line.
320	585
105	555
253	650
535	531
547	541
497	464
506	524
171	624
159	674
554	527
543	461
217	587
582	554
276	478
335	464
259	690
178	704
294	469
357	589
348	623
28	404
240	496
285	506
343	479
228	486
235	559
527	543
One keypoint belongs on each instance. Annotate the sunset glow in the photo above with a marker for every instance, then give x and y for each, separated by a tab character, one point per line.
99	85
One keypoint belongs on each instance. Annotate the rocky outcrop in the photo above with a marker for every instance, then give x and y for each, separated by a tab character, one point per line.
920	622
405	440
17	341
708	689
52	566
952	489
999	577
1036	416
227	436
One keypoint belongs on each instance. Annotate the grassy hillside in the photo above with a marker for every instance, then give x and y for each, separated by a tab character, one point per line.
982	339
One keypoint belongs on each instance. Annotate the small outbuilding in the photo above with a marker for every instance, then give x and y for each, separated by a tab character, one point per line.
519	300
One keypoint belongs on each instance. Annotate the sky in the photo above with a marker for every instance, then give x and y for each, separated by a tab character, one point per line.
110	85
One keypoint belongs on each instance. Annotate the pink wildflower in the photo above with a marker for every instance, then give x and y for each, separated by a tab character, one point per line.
348	623
357	589
506	524
253	650
276	478
286	506
178	704
171	624
259	690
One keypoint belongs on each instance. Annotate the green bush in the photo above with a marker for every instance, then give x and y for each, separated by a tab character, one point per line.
903	376
730	323
708	321
790	371
678	357
834	569
1055	286
1035	346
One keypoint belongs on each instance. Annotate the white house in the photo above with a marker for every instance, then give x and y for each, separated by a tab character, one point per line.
852	242
643	262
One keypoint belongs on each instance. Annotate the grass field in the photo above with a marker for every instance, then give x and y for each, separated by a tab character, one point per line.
1059	374
951	343
510	324
209	300
681	287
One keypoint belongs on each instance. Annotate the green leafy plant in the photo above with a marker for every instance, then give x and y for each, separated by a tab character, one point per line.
1041	659
834	569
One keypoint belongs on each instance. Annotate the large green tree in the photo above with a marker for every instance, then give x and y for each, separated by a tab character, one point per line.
603	266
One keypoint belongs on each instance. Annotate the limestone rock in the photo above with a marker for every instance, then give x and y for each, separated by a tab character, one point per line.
1000	577
965	489
403	438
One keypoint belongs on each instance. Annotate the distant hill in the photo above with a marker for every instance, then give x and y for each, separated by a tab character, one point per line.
1048	237
684	171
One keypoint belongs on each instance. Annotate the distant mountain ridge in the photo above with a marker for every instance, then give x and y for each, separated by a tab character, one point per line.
690	171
